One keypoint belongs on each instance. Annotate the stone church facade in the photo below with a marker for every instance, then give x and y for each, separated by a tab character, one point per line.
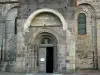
49	36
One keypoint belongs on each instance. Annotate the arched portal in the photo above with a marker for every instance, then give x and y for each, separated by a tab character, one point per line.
46	54
46	35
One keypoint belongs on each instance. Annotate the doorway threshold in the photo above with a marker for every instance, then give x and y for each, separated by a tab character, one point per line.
48	74
42	74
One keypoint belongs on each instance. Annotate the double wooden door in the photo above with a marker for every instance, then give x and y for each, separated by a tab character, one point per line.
46	60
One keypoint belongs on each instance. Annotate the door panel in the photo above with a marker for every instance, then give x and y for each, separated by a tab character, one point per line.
42	60
49	60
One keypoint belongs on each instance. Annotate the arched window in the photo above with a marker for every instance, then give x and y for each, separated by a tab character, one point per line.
81	23
46	41
15	25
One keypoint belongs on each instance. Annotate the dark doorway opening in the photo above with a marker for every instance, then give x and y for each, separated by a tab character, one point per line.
49	60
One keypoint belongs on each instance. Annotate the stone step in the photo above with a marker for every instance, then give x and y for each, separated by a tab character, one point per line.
43	74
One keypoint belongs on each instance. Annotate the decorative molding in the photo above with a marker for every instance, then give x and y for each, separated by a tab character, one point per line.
8	2
34	14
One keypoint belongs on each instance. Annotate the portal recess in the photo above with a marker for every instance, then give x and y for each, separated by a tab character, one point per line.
46	56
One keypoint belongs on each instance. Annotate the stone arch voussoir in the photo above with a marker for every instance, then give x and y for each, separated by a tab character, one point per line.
37	33
33	15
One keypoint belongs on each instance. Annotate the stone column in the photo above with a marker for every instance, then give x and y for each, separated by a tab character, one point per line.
62	57
70	56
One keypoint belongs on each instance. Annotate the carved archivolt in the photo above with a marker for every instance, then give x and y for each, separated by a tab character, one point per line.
34	14
43	31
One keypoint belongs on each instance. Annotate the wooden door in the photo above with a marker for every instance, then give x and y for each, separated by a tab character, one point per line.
42	60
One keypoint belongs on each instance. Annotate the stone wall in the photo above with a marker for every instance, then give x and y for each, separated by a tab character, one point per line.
85	43
86	46
9	39
95	4
30	6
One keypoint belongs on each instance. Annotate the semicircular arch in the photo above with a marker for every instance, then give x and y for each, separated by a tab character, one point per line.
50	32
34	14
